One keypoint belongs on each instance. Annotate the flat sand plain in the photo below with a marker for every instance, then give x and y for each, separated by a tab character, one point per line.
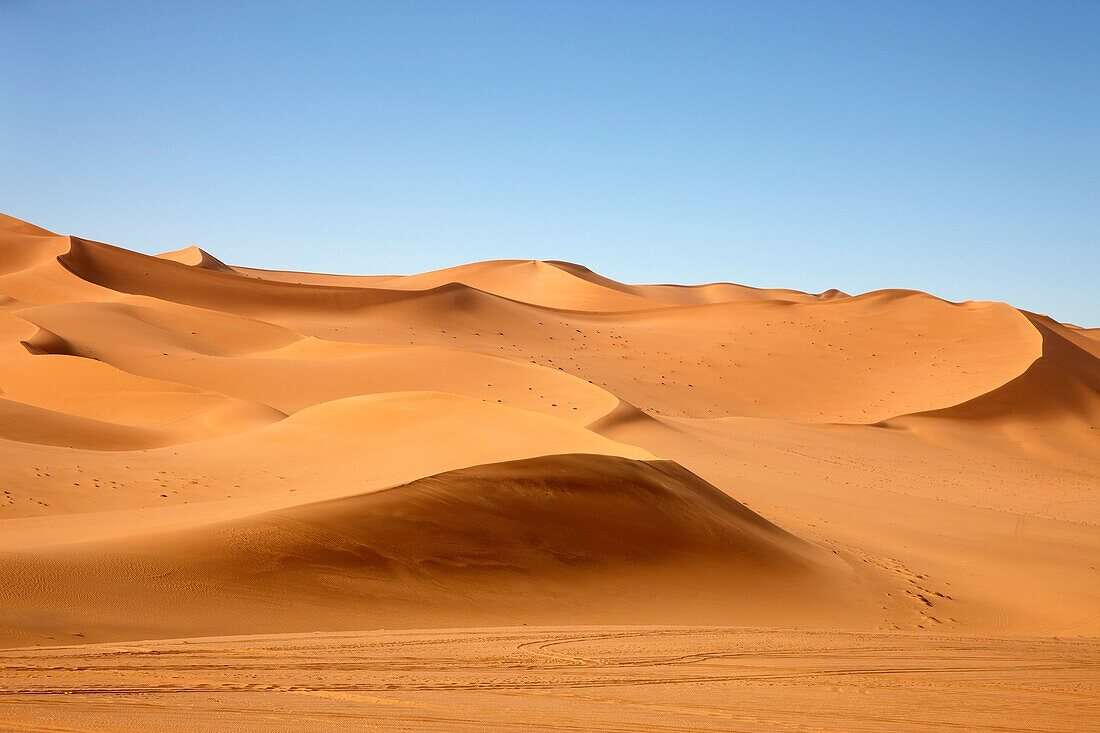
572	679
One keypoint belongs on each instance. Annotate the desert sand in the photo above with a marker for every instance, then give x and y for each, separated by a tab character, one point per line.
520	495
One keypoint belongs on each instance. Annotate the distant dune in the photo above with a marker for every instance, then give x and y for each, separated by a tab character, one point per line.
193	256
191	448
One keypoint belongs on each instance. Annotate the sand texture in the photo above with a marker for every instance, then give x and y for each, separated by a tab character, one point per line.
519	495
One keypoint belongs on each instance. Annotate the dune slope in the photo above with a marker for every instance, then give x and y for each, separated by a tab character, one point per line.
1051	407
578	538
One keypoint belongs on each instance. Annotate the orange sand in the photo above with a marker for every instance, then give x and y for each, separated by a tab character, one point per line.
192	449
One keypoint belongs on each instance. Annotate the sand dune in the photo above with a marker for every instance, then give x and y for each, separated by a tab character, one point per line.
91	389
552	283
190	447
568	537
30	424
772	357
1089	333
261	363
1052	406
25	245
194	256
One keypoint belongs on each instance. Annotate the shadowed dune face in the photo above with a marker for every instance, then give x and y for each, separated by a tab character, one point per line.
553	512
1053	407
235	449
553	537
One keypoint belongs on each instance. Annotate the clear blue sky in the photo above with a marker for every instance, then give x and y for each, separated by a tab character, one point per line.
948	146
